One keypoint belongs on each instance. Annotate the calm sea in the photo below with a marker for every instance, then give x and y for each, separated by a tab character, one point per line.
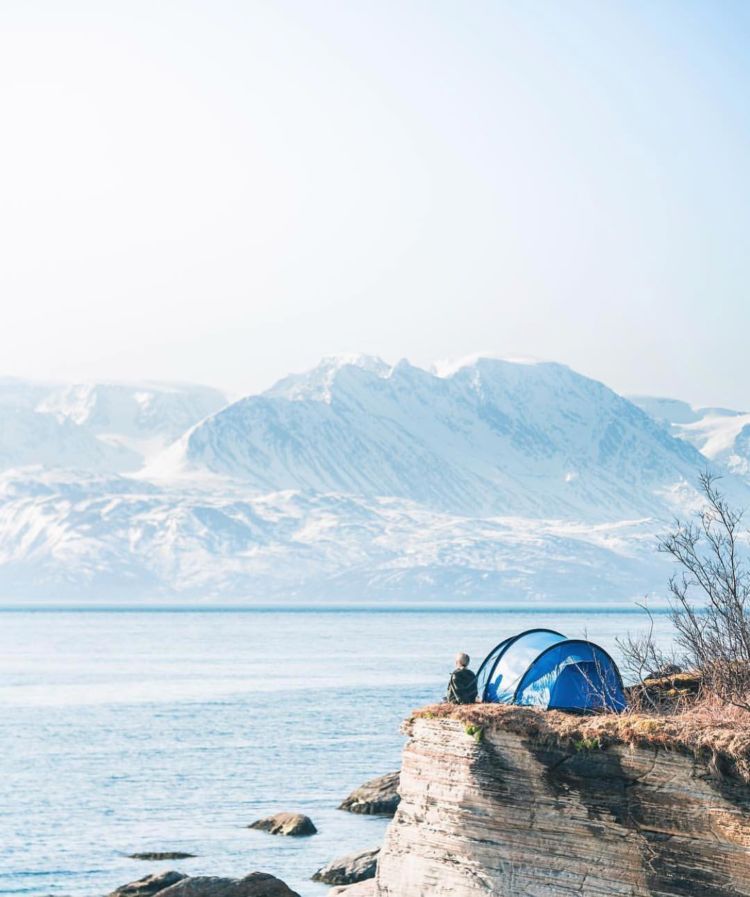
152	730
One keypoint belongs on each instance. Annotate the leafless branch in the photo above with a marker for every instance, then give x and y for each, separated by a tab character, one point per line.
709	598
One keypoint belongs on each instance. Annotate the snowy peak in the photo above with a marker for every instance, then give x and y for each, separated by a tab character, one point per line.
319	383
449	366
491	437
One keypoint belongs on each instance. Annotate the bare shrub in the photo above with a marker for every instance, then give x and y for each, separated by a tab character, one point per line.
643	659
710	602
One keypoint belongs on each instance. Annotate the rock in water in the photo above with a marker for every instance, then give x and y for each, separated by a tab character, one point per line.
174	884
257	884
161	855
361	889
149	884
350	869
294	824
378	797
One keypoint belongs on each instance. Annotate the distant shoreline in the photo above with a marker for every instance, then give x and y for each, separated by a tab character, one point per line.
385	608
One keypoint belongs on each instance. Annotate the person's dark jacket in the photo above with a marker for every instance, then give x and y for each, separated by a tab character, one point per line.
462	687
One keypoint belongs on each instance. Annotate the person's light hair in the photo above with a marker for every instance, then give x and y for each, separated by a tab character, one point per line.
462	660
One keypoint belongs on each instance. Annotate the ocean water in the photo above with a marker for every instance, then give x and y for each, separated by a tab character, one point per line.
125	731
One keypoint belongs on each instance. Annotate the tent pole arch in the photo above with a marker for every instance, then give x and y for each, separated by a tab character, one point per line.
504	647
490	656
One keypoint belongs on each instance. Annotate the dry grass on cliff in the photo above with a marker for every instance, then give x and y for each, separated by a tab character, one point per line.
706	728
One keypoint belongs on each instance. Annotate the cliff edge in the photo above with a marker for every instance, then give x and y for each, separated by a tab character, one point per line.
512	801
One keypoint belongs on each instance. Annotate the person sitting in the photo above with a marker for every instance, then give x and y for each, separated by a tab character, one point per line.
462	687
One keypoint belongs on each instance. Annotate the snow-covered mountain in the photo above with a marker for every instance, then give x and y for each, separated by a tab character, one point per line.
356	480
116	538
96	427
493	437
720	434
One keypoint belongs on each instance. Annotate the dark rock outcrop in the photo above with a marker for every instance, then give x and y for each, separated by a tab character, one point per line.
378	797
149	885
161	855
257	884
292	824
350	869
174	884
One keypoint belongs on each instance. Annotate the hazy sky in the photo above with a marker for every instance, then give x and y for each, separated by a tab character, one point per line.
225	191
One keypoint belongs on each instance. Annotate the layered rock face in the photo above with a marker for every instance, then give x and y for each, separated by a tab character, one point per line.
504	811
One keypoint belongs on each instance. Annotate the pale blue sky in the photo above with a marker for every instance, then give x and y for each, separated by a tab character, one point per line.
225	191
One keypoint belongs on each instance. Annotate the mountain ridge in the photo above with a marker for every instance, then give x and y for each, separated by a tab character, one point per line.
357	480
462	442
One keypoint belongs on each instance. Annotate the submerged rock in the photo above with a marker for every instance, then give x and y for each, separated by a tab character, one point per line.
293	824
175	884
378	797
350	869
161	855
149	884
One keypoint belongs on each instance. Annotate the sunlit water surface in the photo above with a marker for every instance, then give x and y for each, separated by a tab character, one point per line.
153	730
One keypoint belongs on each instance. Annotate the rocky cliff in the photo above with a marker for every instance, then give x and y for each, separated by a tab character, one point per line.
509	801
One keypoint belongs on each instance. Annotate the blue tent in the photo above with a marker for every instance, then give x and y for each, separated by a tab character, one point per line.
543	668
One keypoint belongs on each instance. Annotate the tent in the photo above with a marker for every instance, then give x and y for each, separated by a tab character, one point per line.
543	668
